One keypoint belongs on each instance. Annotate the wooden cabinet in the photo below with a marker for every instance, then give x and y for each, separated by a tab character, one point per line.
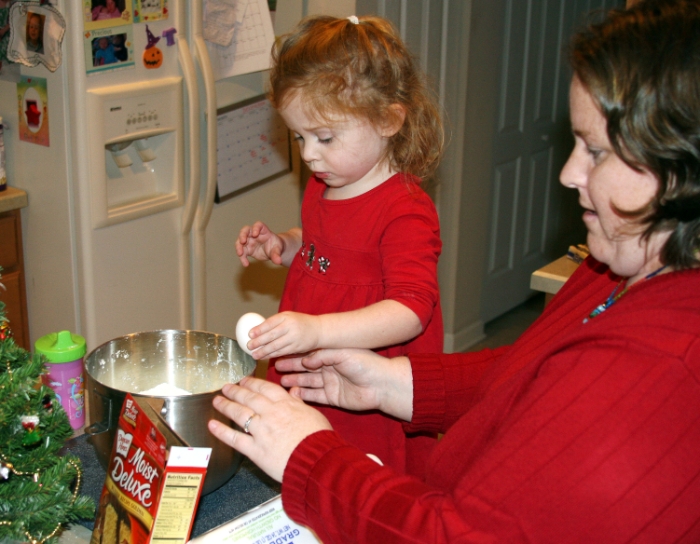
14	294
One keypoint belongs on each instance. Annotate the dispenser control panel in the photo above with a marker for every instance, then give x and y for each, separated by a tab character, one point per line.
126	114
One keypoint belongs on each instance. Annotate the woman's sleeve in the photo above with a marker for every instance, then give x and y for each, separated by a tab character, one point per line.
345	497
445	385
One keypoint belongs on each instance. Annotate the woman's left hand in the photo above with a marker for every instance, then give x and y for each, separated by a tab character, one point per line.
280	421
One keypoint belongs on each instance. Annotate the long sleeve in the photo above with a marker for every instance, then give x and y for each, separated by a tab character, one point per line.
410	246
445	386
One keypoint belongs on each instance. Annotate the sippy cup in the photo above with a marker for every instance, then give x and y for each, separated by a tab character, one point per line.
64	352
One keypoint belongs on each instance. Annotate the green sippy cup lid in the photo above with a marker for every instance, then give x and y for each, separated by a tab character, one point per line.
61	347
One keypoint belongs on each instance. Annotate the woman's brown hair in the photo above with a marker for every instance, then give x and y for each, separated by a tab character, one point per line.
642	68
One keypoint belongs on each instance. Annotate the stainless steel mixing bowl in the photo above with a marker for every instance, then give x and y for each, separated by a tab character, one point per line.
194	361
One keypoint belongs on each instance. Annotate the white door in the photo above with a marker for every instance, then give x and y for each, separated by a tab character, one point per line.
533	219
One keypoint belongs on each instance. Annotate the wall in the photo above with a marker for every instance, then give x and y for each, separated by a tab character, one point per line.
456	42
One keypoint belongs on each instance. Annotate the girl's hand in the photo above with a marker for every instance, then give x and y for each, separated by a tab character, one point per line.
259	242
280	422
354	379
286	333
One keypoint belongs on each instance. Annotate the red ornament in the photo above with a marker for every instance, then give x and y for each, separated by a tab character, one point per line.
5	331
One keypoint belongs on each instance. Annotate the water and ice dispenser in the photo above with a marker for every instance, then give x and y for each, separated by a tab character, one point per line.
136	150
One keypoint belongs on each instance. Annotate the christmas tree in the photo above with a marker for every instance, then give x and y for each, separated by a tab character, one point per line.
39	489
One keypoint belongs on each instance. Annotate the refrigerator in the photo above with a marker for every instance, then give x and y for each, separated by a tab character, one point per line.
123	232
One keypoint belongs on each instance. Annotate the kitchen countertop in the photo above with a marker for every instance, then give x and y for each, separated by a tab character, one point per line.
12	199
551	278
248	488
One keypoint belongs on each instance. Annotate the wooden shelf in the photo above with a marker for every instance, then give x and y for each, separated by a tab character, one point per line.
550	278
14	294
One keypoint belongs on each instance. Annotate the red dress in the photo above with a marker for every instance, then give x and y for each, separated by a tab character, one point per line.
576	433
381	245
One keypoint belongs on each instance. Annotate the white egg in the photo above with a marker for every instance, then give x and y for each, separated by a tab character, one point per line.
245	323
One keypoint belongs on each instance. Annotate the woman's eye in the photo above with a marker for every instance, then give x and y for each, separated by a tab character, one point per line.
325	140
298	138
595	153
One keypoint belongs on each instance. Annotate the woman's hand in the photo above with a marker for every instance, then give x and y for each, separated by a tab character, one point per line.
353	379
279	423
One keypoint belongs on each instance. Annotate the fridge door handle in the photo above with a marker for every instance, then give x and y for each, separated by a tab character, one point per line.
190	75
210	94
204	209
188	213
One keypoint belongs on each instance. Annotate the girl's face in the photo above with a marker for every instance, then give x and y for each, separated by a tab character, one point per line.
111	5
348	154
603	179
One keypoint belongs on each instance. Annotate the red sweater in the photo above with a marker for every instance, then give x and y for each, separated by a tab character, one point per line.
575	433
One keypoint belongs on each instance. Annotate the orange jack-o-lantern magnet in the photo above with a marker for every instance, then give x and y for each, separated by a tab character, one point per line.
152	56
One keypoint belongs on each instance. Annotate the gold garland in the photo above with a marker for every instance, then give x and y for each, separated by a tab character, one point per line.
76	491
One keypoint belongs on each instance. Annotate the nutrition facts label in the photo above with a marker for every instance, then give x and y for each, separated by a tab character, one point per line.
178	502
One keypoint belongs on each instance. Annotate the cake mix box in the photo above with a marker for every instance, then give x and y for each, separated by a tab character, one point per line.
129	499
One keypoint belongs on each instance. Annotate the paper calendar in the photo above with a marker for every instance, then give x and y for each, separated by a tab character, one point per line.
253	146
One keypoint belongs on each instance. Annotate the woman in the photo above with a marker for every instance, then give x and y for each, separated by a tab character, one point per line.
588	427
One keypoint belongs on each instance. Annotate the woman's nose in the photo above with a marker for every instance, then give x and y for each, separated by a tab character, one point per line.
573	173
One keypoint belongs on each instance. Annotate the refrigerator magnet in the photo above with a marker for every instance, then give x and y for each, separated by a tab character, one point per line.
109	49
36	33
169	35
99	14
152	56
33	104
150	10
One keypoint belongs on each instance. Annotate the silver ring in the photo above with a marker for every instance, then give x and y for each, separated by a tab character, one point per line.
247	423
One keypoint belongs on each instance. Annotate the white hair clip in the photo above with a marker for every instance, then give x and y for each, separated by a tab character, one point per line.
354	20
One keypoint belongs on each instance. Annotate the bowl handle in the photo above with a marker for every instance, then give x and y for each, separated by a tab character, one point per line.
105	414
96	428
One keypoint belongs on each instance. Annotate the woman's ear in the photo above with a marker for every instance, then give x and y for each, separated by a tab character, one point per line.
394	122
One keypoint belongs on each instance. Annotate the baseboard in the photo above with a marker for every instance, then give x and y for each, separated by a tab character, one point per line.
465	338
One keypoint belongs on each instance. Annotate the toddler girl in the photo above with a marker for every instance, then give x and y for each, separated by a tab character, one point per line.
363	267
